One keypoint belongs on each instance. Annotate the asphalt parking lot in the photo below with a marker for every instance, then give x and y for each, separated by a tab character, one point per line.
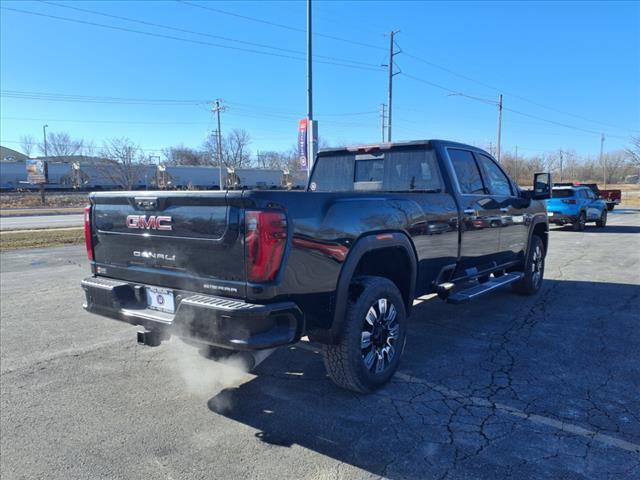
507	387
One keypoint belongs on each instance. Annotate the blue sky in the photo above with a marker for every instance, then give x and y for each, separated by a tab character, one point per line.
559	65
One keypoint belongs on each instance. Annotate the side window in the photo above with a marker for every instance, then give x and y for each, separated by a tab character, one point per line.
498	182
407	170
467	171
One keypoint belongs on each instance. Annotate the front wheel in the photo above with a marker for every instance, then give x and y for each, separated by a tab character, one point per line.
581	223
533	269
602	221
373	337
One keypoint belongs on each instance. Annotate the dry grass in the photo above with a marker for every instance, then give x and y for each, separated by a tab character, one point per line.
23	212
630	202
41	238
32	200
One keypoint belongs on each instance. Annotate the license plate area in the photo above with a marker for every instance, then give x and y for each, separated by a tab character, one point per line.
160	299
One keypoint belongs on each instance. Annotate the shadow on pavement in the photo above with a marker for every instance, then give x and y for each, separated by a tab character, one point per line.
538	354
607	229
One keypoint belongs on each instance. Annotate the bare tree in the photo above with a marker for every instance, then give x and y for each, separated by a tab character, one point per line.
633	152
235	149
28	144
123	162
181	155
614	165
61	145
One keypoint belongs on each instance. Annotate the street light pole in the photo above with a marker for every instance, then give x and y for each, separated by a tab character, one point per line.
603	162
46	155
44	133
312	127
499	127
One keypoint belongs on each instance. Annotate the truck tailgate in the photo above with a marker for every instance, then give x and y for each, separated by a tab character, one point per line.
178	240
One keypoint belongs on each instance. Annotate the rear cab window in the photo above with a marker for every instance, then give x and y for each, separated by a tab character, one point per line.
399	170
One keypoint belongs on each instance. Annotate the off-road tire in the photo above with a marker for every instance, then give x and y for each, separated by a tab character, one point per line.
602	221
530	284
344	361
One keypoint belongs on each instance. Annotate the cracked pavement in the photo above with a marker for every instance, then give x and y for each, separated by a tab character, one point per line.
505	387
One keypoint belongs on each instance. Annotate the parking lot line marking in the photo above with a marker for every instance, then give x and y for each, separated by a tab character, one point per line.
532	417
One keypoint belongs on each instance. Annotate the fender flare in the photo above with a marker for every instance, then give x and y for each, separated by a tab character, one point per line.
362	246
537	220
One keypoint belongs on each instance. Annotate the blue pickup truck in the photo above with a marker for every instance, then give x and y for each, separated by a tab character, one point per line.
576	205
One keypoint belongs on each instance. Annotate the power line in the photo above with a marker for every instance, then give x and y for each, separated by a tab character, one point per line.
95	99
145	149
186	40
193	32
518	112
116	122
46	96
520	97
279	25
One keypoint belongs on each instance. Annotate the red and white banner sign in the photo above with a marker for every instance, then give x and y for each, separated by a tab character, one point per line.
303	156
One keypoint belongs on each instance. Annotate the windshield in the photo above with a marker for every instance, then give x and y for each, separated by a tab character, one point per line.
391	171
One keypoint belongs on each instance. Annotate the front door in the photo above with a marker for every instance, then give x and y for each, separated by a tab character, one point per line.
481	216
513	226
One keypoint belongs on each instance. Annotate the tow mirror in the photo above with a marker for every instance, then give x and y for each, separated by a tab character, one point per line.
541	186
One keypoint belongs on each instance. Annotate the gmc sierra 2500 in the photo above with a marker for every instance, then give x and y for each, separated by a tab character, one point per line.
378	226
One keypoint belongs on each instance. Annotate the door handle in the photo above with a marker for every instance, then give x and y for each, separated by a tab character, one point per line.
504	209
470	211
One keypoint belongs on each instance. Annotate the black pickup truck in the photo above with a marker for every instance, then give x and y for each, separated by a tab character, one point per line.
341	263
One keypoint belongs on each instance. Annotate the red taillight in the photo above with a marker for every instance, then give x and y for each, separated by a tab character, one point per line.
571	201
265	240
87	232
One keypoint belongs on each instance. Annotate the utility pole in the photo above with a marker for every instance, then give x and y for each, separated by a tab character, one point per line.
392	53
217	109
382	119
561	152
499	127
603	162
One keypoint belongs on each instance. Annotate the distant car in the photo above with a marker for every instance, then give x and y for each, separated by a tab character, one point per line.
576	205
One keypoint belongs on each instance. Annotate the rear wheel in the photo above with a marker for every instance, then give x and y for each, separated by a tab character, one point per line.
533	269
580	223
373	337
602	221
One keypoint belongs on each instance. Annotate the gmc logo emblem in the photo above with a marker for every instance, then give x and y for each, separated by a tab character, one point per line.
150	223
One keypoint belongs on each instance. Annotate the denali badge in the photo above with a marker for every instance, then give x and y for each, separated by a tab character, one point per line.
151	223
159	256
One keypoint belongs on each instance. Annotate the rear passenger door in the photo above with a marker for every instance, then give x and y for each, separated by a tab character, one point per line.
513	230
481	216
